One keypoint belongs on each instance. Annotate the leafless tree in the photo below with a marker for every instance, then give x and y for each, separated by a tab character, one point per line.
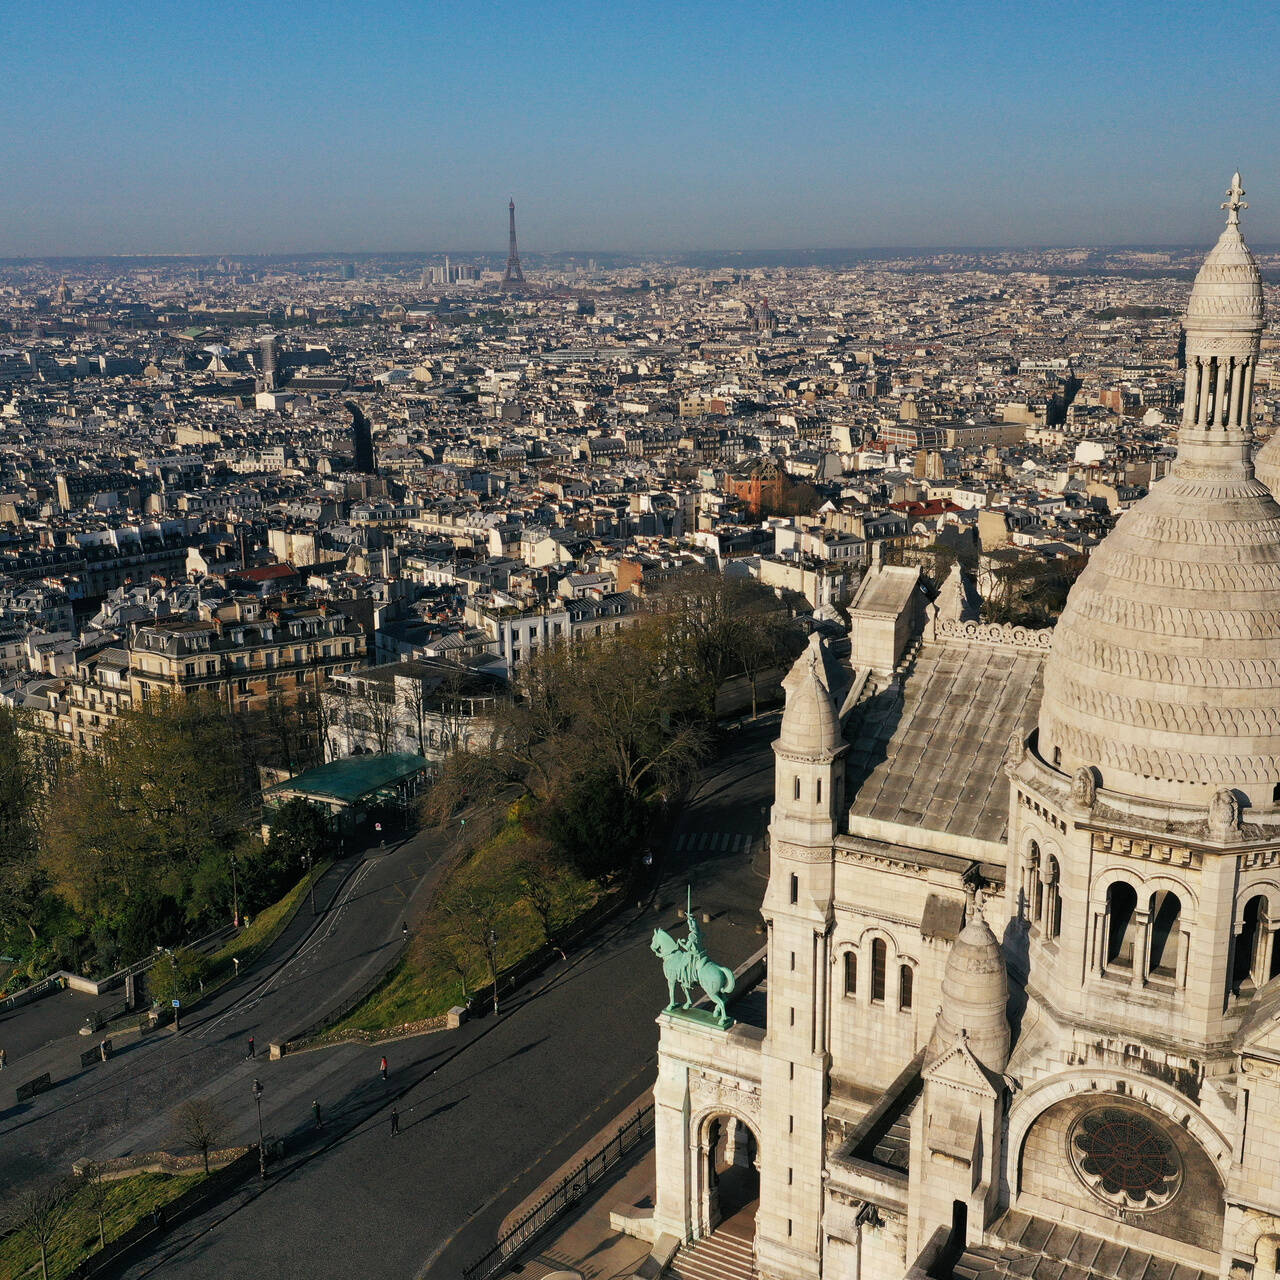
540	878
94	1193
201	1125
37	1213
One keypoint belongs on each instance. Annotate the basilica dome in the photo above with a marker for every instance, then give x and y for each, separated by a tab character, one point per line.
1164	674
1266	465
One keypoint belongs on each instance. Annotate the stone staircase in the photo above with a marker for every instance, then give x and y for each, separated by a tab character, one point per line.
719	1256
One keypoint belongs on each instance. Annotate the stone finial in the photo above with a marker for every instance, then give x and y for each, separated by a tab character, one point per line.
1224	815
1084	787
1235	201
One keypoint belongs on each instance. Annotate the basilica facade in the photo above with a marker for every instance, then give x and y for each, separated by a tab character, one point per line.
1022	1004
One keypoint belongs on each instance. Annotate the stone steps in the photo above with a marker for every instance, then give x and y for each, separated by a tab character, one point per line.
719	1256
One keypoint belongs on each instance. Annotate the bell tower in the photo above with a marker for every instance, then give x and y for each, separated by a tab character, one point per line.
808	795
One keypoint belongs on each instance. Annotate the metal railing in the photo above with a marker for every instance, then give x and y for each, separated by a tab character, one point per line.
564	1195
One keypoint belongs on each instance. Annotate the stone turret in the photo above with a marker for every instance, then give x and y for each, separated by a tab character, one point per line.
810	723
975	993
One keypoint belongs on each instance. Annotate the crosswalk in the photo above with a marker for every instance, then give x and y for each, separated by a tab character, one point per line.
711	842
719	1256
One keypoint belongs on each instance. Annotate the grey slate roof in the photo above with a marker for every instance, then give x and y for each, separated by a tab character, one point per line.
927	753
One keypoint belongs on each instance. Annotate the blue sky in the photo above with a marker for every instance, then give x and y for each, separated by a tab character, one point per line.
235	127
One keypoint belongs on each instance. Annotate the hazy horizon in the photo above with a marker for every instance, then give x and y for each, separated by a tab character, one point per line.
649	130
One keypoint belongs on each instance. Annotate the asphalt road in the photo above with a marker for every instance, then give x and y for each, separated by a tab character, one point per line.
127	1105
487	1111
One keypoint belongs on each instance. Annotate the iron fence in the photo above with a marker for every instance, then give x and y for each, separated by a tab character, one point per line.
563	1196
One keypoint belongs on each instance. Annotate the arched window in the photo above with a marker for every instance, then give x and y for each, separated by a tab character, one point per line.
878	964
1030	876
1122	905
1166	929
818	794
1053	891
850	973
797	789
906	980
1246	968
795	889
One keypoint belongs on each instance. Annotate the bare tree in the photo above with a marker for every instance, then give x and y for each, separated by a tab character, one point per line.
94	1194
38	1212
540	881
452	952
476	905
201	1125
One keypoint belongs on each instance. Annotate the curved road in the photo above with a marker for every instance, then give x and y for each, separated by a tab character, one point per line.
487	1111
127	1104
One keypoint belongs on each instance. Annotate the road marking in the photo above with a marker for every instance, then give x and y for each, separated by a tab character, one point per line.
252	998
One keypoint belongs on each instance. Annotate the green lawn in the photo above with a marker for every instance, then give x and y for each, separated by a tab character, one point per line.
267	924
129	1200
424	983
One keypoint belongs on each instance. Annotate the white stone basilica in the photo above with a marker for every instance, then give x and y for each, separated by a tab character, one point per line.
1023	986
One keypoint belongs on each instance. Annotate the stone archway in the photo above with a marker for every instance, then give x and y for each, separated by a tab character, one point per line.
727	1185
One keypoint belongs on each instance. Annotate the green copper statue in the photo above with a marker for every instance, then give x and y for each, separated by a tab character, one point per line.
686	963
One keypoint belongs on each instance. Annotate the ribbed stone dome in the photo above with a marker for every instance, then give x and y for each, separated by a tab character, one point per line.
1164	673
975	993
810	723
1227	295
1165	667
1266	466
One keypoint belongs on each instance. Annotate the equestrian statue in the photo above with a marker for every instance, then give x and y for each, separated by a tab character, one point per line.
686	963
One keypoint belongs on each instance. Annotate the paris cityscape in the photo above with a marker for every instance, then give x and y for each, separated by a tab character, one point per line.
577	708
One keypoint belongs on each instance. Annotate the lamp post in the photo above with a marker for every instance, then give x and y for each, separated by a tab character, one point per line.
235	896
306	866
491	941
262	1151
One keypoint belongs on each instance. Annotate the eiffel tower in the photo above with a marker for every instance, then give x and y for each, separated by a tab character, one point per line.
514	277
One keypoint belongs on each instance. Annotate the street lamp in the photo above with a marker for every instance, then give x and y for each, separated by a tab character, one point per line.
235	896
306	866
491	941
262	1151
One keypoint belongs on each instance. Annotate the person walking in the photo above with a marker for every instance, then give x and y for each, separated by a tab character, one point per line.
252	1051
4	1058
382	1067
395	1122
315	1106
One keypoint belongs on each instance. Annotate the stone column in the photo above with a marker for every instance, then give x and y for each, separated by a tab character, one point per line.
1142	941
1204	393
1191	385
1246	396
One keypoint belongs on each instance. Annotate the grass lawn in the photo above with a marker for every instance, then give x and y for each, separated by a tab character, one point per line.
267	924
427	981
129	1199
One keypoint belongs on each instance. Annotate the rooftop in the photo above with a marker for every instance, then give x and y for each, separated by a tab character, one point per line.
351	779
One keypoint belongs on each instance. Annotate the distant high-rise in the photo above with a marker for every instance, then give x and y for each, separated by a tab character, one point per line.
514	277
267	361
348	270
361	440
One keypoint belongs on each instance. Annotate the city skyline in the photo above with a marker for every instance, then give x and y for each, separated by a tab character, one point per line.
661	131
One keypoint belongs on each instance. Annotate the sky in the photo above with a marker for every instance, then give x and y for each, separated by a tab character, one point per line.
128	126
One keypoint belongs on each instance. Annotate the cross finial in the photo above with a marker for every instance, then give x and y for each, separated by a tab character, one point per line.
1234	202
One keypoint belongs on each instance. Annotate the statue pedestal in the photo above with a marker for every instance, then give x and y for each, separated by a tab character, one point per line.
703	1017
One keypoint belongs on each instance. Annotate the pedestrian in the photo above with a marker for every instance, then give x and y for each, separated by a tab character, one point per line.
395	1122
253	1053
4	1058
382	1067
157	1217
404	928
315	1106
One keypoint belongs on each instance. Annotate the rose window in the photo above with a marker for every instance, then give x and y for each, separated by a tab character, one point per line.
1125	1159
